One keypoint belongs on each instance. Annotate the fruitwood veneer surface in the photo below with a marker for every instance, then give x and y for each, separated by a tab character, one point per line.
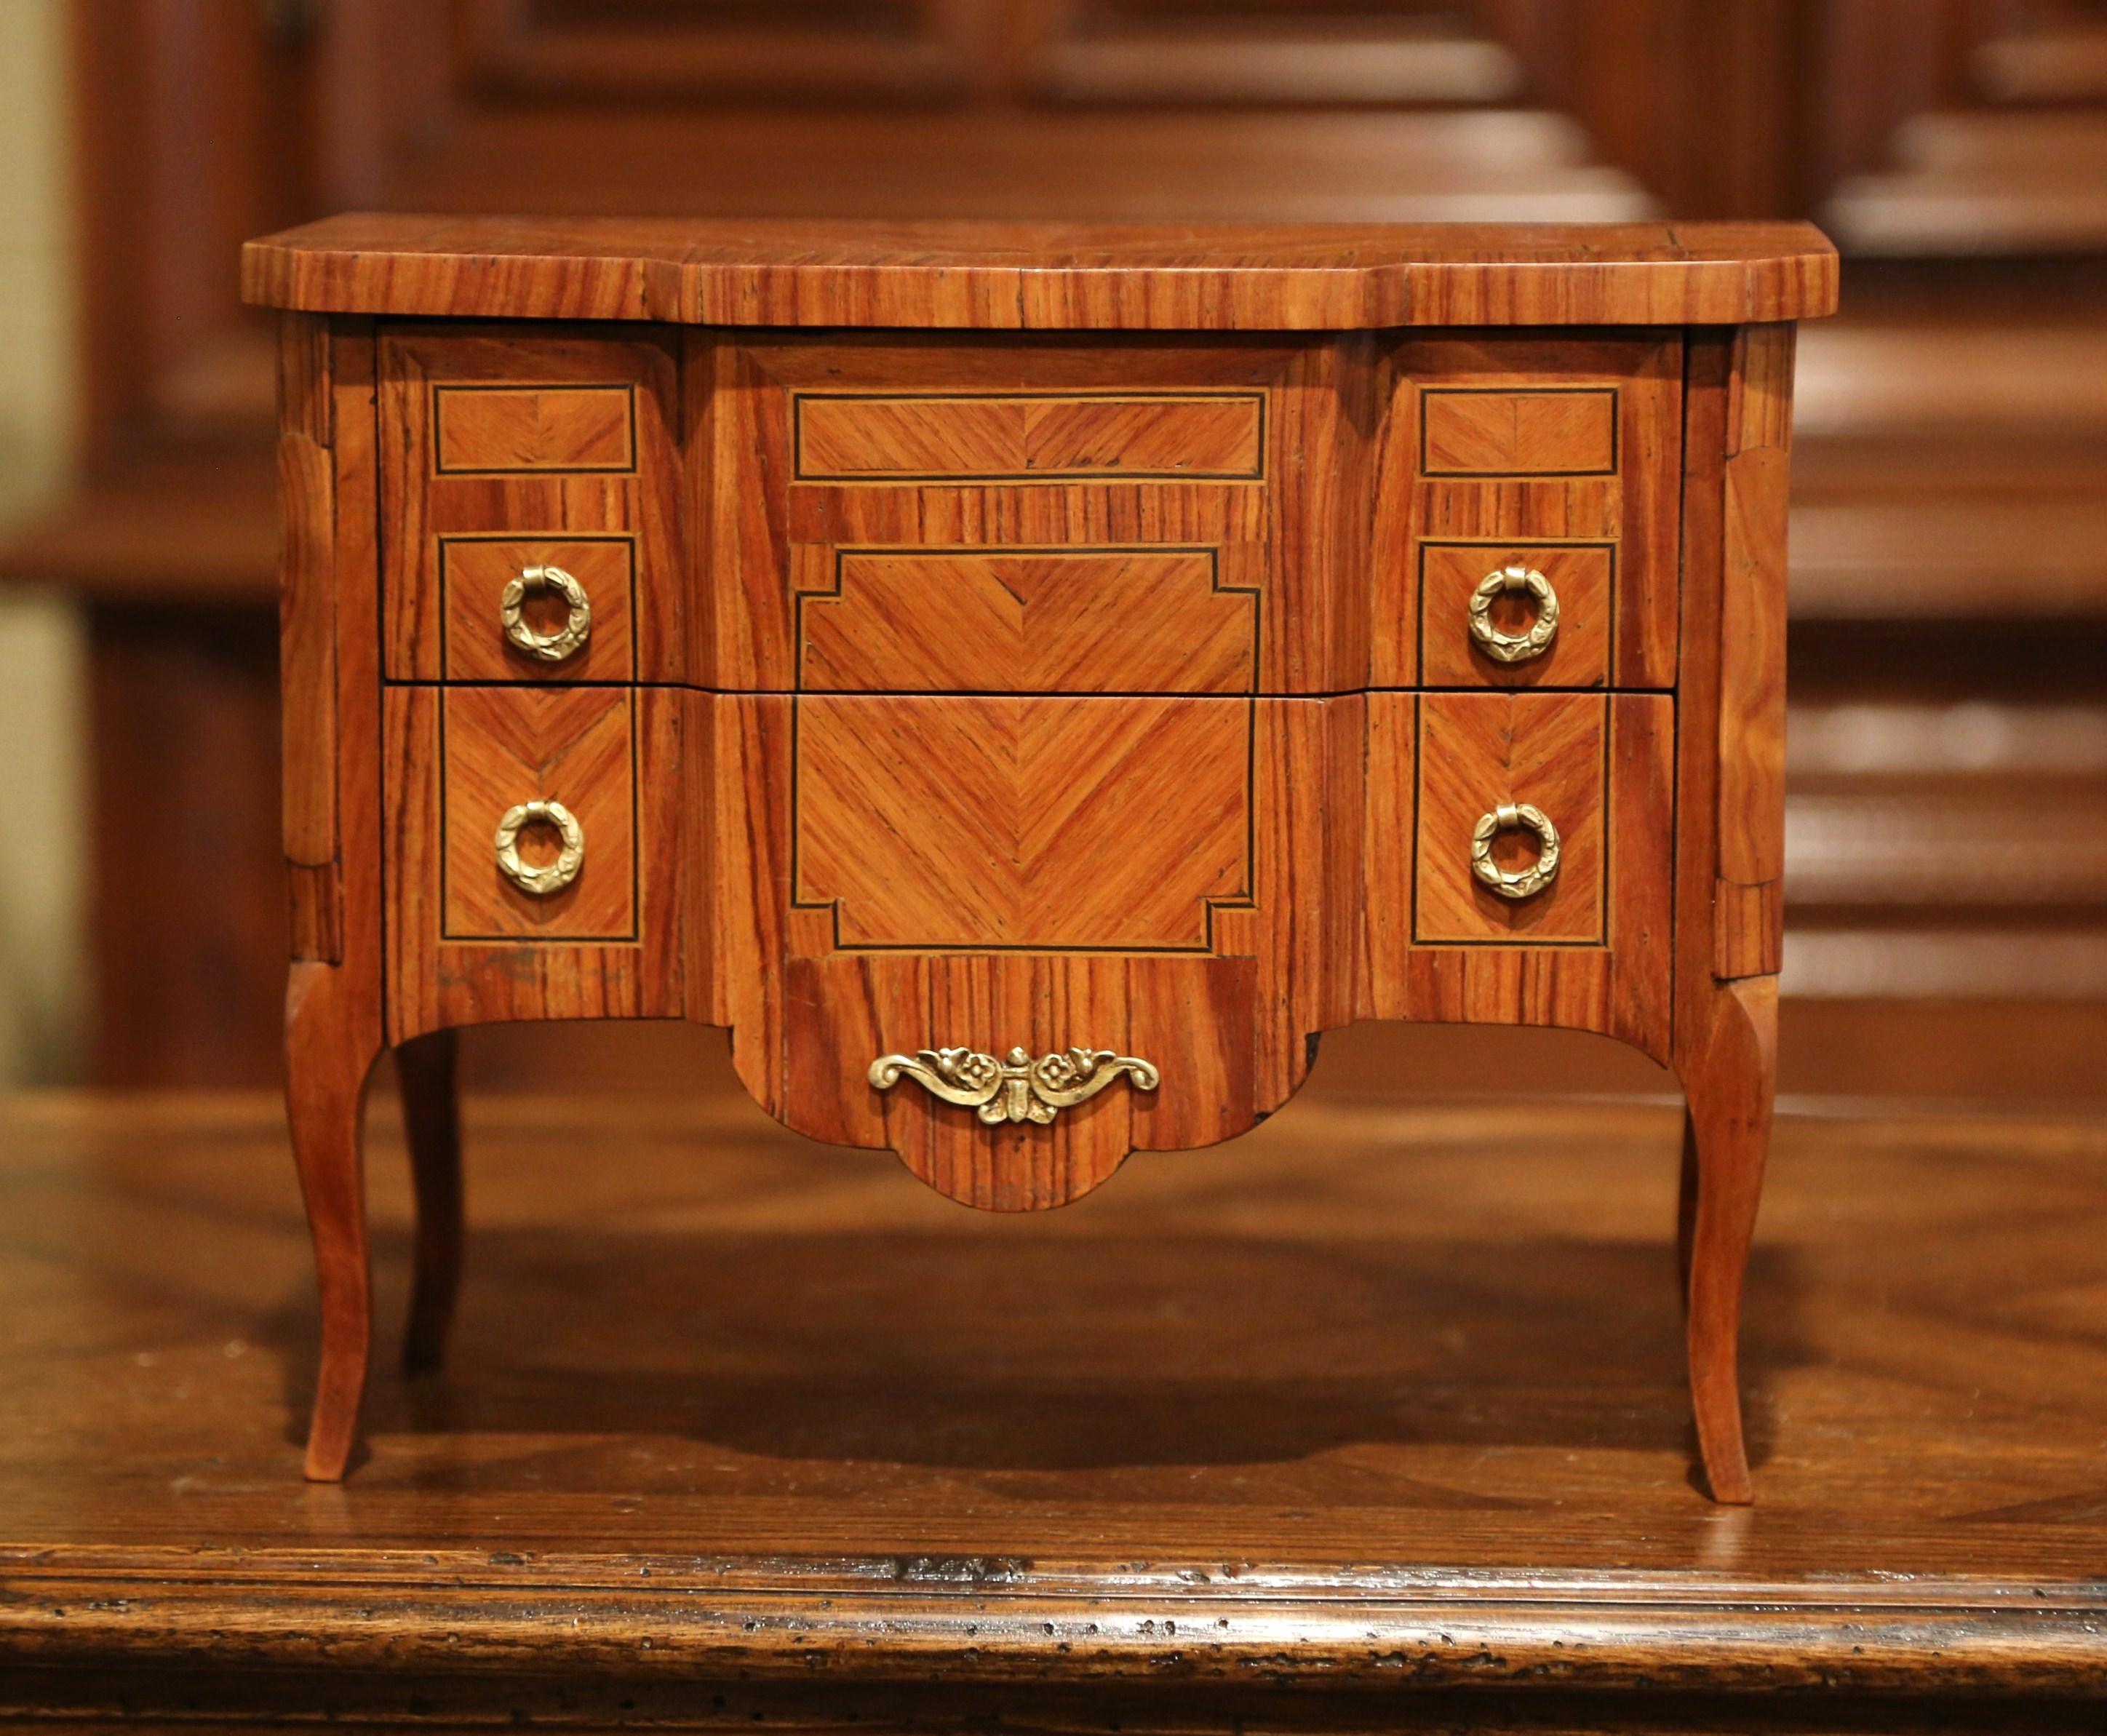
1228	277
739	1423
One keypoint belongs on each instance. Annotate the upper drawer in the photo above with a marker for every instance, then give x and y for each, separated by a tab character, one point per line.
529	518
1161	618
1547	475
1026	514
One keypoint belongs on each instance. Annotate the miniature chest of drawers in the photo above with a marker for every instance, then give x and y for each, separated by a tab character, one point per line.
1028	682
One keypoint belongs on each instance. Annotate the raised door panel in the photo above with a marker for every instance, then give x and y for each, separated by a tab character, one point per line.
1170	880
1044	514
1558	457
501	454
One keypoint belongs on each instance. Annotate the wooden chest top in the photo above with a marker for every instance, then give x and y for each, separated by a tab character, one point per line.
1052	277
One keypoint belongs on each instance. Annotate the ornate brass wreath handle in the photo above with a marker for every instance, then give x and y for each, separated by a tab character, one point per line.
1505	647
548	647
1018	1089
1513	817
552	877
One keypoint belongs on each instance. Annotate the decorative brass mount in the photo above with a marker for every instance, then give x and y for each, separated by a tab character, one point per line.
1513	817
1015	1089
568	639
1511	648
543	882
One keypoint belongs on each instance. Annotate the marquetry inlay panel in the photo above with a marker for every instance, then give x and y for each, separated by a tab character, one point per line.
1018	437
496	429
1479	751
1181	482
1046	620
474	572
1013	824
1581	577
528	438
502	747
1482	431
1537	442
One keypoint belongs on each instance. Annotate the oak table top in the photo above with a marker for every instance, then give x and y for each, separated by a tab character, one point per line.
1251	1420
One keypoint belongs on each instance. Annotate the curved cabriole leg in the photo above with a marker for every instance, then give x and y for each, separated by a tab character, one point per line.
327	1060
1685	1207
424	1072
1729	1079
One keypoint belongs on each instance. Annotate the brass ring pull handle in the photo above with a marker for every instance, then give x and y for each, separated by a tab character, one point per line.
565	641
552	877
1505	647
1510	817
1018	1089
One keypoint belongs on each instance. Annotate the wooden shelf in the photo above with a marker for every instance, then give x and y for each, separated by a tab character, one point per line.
740	1426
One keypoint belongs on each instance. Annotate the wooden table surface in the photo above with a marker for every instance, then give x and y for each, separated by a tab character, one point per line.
1374	1419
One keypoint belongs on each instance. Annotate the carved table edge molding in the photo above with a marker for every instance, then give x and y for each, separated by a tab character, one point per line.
993	1619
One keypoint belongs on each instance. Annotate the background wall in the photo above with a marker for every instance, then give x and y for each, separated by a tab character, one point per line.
1946	873
42	975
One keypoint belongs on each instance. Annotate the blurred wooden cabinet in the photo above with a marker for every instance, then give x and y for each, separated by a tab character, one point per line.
1953	458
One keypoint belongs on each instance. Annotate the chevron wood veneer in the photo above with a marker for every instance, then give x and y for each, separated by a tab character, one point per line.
1133	620
1018	437
1582	573
498	748
1028	687
1550	750
474	572
1033	824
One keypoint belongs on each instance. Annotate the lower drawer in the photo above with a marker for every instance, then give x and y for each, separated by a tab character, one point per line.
531	854
1015	937
1520	860
1513	806
898	900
